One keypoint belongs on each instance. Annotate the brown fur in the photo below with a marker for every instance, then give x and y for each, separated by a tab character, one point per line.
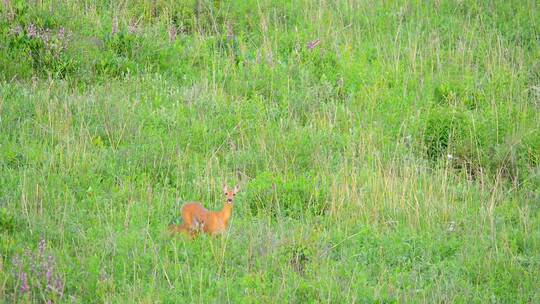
198	219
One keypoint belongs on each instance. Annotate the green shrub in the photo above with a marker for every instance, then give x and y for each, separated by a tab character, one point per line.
122	44
7	221
293	196
484	141
113	66
447	94
444	127
35	36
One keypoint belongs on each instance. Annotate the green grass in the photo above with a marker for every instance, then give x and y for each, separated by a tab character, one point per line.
397	161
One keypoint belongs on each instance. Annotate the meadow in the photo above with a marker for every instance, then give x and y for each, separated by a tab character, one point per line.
386	151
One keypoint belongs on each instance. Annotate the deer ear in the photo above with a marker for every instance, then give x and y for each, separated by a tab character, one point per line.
224	188
236	189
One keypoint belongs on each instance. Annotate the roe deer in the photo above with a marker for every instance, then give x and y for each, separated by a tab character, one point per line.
196	218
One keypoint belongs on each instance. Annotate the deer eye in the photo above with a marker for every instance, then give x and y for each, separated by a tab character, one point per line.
234	194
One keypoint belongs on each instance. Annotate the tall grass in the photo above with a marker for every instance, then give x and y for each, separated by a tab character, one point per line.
396	160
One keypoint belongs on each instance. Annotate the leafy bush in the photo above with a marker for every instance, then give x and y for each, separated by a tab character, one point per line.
7	221
444	127
34	37
120	50
483	141
113	66
447	94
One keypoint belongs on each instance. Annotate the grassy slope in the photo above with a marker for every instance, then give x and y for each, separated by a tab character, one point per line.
348	194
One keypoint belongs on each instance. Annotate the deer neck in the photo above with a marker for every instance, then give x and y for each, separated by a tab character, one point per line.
226	212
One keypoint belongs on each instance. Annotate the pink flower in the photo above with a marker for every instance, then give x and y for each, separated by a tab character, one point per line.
59	286
16	261
24	283
42	245
31	31
48	275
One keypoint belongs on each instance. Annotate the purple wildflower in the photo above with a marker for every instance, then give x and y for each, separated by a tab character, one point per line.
50	263
16	261
59	286
27	254
31	31
61	33
38	268
42	245
24	283
45	36
49	276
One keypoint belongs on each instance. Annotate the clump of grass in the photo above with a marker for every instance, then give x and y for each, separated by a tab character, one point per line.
289	196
